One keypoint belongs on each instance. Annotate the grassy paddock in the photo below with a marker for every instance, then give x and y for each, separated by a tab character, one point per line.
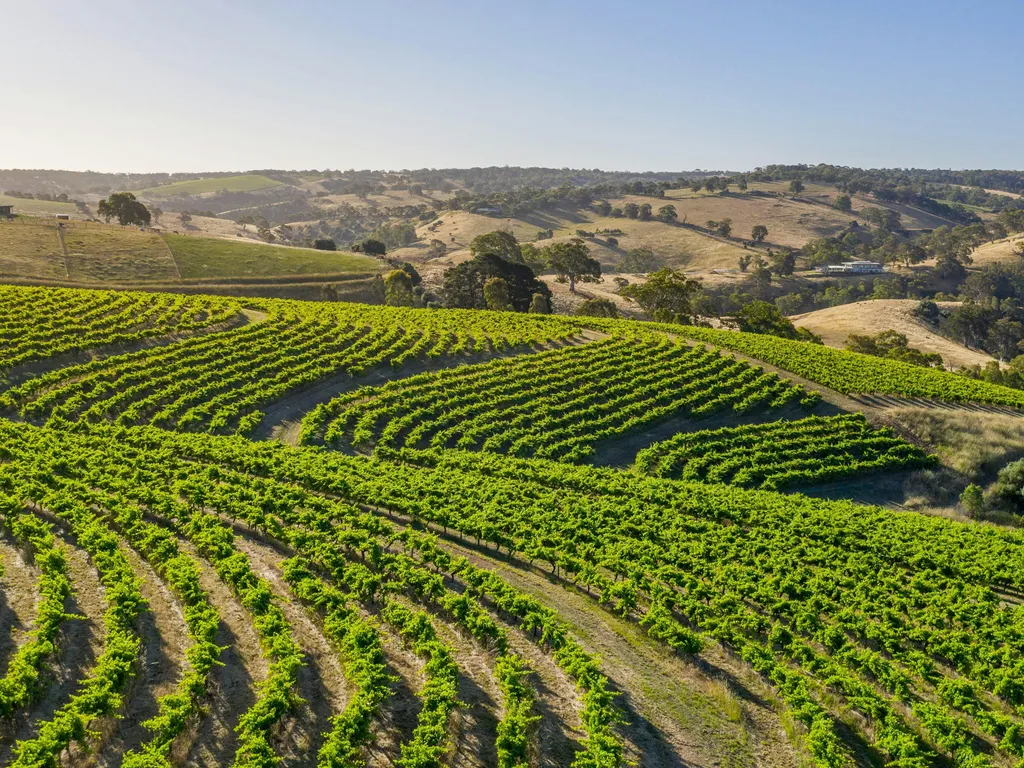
116	254
249	182
209	257
31	247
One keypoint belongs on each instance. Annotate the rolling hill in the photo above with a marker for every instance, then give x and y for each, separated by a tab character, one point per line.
868	318
250	182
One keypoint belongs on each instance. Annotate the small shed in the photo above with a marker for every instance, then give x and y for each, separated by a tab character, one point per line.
63	216
6	211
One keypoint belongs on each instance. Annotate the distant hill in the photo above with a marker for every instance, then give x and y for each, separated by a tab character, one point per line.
251	182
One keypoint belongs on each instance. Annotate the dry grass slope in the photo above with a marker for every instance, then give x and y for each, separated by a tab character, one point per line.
835	324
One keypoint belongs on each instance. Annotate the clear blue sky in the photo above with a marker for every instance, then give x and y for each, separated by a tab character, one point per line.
196	85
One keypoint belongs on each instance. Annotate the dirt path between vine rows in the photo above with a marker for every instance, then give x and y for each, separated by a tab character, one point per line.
19	598
79	643
710	712
164	641
320	681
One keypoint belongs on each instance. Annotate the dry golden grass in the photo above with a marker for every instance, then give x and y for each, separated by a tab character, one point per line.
977	445
677	246
30	248
997	251
116	254
790	222
835	324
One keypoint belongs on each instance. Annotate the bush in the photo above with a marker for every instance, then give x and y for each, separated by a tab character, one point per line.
325	244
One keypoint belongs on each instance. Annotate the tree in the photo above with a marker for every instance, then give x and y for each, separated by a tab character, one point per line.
885	219
973	500
796	186
644	214
766	318
409	269
371	246
743	262
667	296
503	244
157	213
603	207
463	285
611	242
711	183
125	208
571	261
782	263
668	213
742	184
1008	493
597	308
1004	338
496	294
723	227
843	203
533	257
325	244
632	210
186	218
893	345
398	289
696	185
758	233
640	260
437	249
540	304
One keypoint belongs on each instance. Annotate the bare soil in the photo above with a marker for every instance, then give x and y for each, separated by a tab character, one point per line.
80	642
213	742
164	641
19	598
321	681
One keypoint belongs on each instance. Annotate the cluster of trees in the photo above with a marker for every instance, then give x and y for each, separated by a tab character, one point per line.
893	345
124	207
1005	495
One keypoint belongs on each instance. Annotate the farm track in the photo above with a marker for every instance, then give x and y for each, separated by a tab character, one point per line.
18	598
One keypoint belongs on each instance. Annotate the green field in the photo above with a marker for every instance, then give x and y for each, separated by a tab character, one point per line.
209	257
249	182
37	207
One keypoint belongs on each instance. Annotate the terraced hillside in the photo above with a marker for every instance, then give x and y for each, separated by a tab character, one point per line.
446	581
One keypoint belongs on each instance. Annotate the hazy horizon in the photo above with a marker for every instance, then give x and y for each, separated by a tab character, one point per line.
116	88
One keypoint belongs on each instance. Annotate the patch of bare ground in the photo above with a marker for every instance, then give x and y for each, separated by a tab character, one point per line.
710	711
321	680
80	642
283	419
18	598
164	641
213	742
